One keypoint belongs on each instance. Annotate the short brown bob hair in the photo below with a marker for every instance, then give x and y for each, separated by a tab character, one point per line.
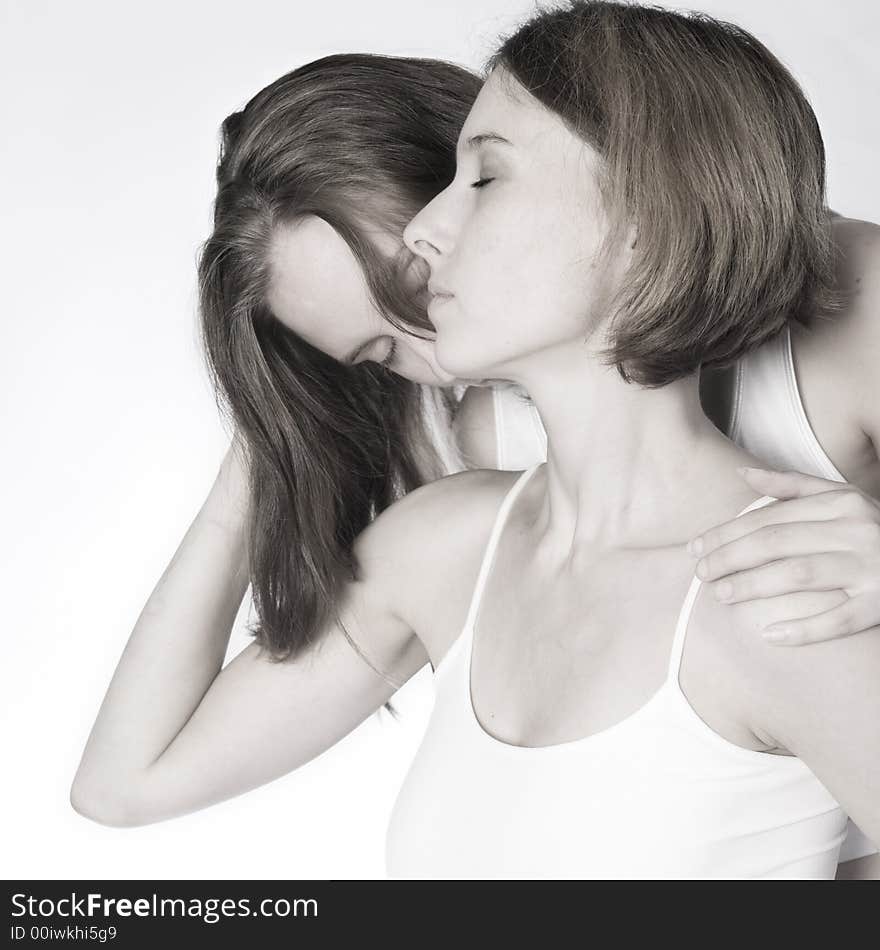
712	149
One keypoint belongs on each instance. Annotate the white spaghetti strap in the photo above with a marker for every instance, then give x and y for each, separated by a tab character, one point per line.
497	528
684	617
500	431
687	607
818	456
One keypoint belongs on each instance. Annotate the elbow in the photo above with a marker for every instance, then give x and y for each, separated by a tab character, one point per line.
104	806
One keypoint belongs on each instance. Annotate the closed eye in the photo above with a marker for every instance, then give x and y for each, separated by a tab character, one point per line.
388	359
481	182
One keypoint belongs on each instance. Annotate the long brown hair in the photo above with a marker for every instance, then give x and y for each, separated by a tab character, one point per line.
711	148
357	140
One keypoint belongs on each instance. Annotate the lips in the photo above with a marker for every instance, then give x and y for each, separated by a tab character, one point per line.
437	301
435	290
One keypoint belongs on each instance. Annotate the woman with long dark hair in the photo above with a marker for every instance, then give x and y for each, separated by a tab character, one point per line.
325	446
334	159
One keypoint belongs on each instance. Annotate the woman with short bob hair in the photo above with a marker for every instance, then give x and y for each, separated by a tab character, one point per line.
581	731
708	142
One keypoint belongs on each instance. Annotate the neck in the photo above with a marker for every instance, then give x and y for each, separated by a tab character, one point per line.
626	465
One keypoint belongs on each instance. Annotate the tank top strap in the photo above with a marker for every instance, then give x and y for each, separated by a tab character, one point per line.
492	544
768	417
687	607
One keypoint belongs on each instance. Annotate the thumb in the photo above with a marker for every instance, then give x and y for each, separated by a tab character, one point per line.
778	484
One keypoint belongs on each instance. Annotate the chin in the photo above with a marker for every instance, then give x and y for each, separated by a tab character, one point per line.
460	365
428	378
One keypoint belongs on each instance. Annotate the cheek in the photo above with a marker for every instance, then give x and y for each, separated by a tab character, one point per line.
527	284
525	277
495	264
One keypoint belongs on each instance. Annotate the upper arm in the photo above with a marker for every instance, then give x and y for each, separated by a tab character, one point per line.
858	338
821	702
260	719
474	428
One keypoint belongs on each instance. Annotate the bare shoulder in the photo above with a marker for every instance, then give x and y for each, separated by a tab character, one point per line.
858	243
801	698
858	264
836	356
857	333
857	276
424	533
413	564
455	498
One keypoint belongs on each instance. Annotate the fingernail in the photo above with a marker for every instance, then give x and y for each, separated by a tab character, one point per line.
702	570
775	635
695	547
724	591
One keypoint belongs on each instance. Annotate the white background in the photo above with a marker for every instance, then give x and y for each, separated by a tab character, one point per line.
110	128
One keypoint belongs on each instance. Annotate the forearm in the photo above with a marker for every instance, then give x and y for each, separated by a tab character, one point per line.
175	650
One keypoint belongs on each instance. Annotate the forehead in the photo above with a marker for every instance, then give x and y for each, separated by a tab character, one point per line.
317	287
506	108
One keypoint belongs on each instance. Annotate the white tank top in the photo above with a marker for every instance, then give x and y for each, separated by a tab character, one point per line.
657	795
767	419
520	438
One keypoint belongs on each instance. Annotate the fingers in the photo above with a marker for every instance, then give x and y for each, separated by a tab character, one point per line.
827	571
773	542
846	619
842	501
820	535
785	484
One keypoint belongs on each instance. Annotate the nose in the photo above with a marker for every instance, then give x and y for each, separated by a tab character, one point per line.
423	237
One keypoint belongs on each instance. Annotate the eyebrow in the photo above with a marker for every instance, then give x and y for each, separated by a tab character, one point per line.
486	138
355	353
